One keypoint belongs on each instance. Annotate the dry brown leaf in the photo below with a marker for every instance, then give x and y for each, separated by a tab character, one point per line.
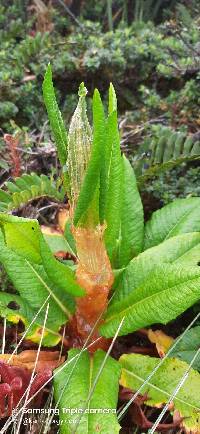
26	359
63	216
12	142
49	230
57	242
162	341
28	78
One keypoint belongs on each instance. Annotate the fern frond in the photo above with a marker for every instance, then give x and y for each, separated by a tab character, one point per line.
167	150
27	188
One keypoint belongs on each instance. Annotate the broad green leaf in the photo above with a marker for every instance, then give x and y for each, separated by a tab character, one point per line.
132	219
59	274
55	117
183	249
113	201
176	218
33	285
92	176
136	368
72	386
167	292
187	347
22	311
32	282
21	235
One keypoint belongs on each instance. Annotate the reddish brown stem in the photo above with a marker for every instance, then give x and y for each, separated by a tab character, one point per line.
12	143
94	274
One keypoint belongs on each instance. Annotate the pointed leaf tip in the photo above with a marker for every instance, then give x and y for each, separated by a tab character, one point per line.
47	75
82	92
112	104
96	94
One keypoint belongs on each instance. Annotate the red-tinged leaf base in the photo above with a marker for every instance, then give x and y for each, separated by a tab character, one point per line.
76	340
14	383
94	274
138	417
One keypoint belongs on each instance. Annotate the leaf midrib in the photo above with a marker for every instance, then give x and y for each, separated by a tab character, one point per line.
147	298
58	302
178	223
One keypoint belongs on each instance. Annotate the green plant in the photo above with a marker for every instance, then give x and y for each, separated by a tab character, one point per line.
144	54
179	182
27	188
151	270
172	371
165	150
187	347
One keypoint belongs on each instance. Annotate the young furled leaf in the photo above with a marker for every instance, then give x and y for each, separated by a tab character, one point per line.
79	147
112	99
92	176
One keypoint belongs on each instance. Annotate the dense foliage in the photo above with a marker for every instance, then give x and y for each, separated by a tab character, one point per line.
152	58
153	66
